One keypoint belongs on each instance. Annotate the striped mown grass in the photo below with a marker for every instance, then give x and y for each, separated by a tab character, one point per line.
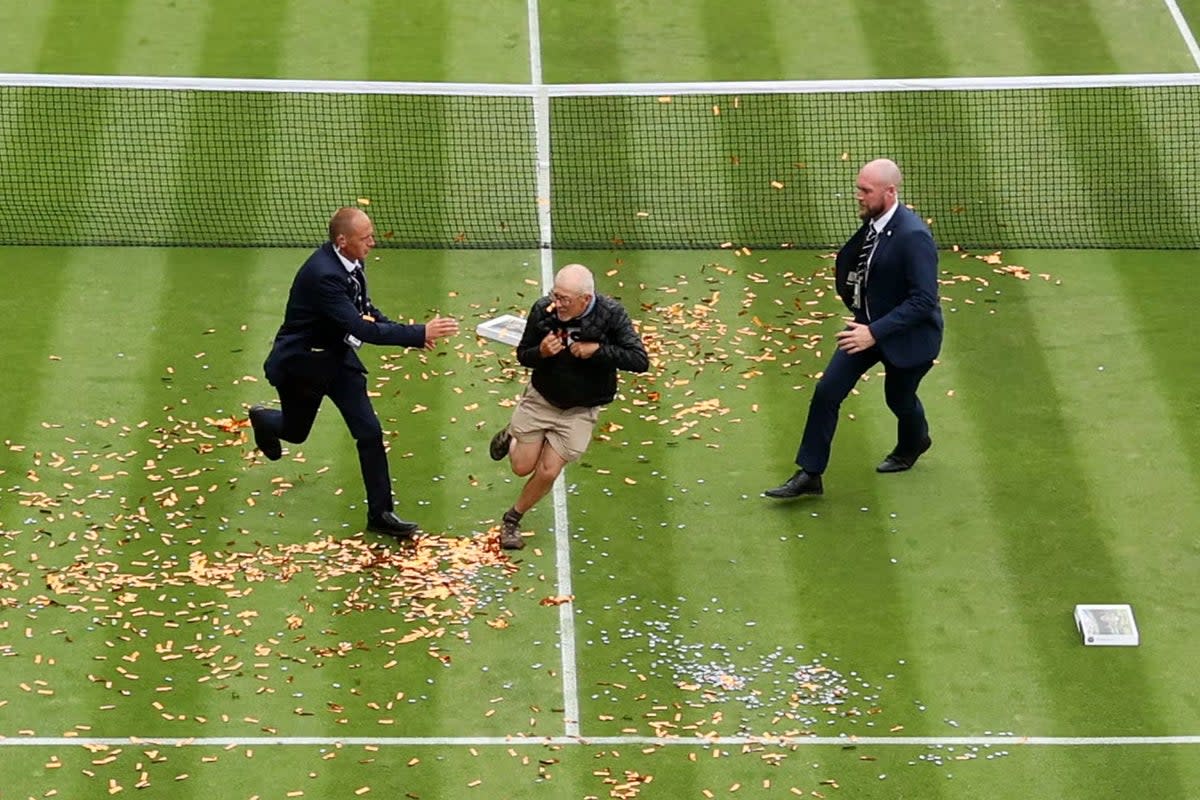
1051	481
941	597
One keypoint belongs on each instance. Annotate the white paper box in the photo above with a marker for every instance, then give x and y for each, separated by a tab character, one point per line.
504	328
1106	624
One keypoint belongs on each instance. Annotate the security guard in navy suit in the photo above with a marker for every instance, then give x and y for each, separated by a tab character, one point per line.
329	315
887	277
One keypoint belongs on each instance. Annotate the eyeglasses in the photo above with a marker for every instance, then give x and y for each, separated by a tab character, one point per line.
561	299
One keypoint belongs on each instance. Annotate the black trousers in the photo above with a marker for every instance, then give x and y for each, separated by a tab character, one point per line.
844	370
300	398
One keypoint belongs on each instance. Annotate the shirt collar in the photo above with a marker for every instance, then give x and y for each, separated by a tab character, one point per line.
880	222
347	263
591	304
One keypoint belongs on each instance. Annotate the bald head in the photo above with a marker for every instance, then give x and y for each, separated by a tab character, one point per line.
344	220
352	232
883	170
877	187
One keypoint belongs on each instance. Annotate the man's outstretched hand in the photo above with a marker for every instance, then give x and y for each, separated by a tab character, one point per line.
439	328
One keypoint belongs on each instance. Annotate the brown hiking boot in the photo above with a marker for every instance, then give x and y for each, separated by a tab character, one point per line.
510	535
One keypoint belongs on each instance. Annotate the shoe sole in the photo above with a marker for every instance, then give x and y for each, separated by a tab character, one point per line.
814	493
395	534
498	448
905	468
401	537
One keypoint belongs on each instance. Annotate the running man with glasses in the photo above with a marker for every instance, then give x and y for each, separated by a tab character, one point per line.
575	340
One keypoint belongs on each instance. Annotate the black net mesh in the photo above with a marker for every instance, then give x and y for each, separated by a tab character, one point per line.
1067	167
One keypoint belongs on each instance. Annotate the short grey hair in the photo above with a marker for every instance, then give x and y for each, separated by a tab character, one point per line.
575	278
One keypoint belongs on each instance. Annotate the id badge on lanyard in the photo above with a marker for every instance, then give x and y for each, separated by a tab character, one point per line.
856	282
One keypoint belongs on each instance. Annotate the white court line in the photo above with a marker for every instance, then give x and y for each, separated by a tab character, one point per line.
658	741
562	531
1184	30
284	86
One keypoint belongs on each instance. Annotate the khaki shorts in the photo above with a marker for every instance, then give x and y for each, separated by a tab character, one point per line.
568	431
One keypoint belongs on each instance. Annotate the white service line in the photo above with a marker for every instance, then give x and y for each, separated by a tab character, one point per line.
1184	30
607	741
562	529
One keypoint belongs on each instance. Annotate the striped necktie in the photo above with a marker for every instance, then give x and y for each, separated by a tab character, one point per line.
864	255
360	290
859	279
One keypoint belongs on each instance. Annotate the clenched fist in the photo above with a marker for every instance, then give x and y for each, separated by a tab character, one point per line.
552	345
584	349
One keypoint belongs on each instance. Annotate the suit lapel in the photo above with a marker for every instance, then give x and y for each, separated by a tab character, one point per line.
853	247
881	245
885	238
340	270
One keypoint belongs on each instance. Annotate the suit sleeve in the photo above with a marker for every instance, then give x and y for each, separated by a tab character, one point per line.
374	311
920	273
337	306
625	349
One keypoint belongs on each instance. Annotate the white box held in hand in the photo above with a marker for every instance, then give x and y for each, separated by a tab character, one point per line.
504	328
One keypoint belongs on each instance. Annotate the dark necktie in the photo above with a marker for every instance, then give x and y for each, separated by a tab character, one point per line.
864	262
864	255
360	290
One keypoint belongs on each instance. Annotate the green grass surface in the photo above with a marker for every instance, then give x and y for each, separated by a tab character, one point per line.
360	40
599	42
942	596
773	40
1065	469
596	771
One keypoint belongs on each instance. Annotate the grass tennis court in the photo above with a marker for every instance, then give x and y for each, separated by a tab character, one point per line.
160	582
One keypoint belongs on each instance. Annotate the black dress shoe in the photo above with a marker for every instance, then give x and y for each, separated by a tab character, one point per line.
389	523
800	483
263	440
895	462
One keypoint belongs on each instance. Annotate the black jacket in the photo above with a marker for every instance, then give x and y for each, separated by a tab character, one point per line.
570	382
311	342
902	304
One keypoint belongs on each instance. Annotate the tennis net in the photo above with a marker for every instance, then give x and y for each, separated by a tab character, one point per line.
1106	161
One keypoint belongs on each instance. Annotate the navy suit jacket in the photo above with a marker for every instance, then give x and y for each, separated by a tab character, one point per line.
902	307
311	342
